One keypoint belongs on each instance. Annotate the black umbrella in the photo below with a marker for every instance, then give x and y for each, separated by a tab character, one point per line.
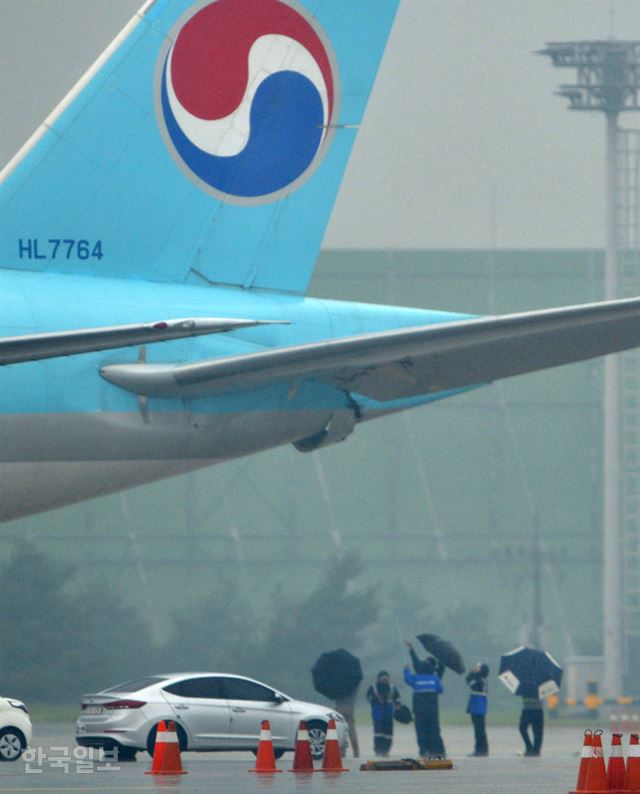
403	714
337	674
530	673
443	651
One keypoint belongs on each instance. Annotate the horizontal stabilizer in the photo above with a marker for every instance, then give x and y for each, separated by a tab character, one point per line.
409	362
33	347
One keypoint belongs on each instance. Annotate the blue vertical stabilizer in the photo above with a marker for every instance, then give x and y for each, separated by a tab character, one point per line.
206	144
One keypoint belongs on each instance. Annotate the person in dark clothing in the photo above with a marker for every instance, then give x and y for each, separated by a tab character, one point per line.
347	707
426	685
478	680
532	717
384	699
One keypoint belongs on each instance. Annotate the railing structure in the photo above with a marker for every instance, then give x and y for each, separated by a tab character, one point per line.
628	236
608	81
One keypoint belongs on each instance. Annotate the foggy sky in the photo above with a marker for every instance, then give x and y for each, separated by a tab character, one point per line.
461	111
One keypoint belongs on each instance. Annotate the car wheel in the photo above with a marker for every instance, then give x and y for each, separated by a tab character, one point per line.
12	744
317	734
151	738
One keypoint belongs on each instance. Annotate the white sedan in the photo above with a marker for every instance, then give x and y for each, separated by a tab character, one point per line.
15	729
212	711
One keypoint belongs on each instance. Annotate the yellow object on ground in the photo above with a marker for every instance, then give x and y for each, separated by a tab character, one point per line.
406	765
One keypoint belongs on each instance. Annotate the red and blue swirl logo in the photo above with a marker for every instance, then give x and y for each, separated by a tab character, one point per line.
246	97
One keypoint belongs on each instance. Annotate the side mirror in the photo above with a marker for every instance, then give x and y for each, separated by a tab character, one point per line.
278	698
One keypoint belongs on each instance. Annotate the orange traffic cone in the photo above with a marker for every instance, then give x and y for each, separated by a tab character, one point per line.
332	761
632	776
302	760
266	759
585	758
596	780
615	769
166	752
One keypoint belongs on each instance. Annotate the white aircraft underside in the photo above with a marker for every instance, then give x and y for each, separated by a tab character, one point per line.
152	277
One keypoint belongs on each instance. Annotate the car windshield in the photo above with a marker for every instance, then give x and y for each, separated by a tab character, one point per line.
137	685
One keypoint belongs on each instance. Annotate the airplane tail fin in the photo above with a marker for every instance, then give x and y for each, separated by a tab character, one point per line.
206	144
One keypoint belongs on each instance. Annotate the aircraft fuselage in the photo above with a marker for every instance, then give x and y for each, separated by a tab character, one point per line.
70	435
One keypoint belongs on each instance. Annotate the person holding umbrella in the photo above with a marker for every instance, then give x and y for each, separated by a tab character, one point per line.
532	716
337	675
532	675
478	680
426	685
384	699
347	707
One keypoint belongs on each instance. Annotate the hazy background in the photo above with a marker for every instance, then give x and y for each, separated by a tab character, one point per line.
461	106
464	146
417	522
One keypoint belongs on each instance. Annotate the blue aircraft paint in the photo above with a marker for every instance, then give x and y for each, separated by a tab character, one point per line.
126	209
255	171
115	179
248	136
115	216
72	385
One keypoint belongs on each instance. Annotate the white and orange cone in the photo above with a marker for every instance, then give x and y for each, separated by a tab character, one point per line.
166	751
596	780
332	761
585	758
615	769
265	759
632	776
302	760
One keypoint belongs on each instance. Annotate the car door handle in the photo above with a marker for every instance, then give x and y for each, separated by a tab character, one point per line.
239	711
180	707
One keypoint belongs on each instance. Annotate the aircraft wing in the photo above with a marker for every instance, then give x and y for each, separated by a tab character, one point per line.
408	362
33	347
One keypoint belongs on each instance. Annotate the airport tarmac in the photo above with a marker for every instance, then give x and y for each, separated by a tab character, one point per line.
52	768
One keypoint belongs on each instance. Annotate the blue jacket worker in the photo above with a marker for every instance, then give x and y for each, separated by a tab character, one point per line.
426	684
384	699
478	680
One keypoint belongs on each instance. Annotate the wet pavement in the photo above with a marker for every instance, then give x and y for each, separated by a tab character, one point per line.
54	765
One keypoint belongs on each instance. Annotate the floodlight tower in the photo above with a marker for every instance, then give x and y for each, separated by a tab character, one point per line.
608	81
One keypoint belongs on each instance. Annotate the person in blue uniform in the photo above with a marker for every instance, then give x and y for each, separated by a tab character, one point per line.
384	699
427	686
478	680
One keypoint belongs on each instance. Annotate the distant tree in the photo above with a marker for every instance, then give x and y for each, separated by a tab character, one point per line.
217	633
228	631
116	641
468	628
59	639
406	614
333	615
36	625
